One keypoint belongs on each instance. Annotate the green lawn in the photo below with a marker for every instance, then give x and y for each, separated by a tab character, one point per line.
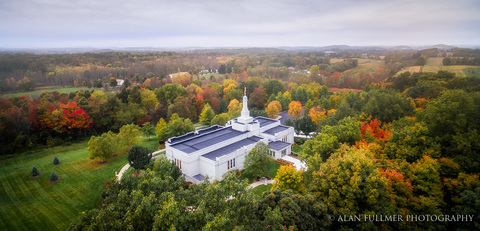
35	204
259	190
271	172
38	91
435	64
298	149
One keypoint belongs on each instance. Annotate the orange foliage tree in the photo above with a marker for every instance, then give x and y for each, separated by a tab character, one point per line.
273	108
372	131
317	114
295	109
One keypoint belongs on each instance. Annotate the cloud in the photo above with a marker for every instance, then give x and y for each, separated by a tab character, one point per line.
232	23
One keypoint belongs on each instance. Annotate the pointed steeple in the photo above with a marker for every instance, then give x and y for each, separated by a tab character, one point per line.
245	112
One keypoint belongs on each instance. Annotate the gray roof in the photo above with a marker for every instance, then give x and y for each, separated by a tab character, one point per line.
277	129
256	138
200	141
231	148
278	145
199	177
190	135
265	121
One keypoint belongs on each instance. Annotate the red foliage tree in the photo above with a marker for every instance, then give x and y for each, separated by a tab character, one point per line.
210	96
373	129
258	98
74	118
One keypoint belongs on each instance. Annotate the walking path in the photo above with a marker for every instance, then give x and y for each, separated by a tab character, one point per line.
124	169
260	182
299	165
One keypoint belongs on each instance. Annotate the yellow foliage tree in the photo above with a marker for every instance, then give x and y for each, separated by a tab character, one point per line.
288	178
234	108
273	108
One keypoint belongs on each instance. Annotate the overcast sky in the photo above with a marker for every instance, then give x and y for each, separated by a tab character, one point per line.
239	23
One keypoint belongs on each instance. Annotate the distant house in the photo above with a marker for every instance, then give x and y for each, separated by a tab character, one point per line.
218	149
120	82
176	74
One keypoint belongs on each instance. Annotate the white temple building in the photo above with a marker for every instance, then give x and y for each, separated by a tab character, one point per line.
218	149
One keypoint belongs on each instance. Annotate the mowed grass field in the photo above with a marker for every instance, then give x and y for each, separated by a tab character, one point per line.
39	91
366	65
35	204
435	64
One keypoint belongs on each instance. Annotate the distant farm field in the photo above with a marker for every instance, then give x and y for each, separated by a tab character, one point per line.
435	64
365	65
38	91
35	204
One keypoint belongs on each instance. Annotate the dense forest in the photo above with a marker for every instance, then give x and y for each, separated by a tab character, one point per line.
403	144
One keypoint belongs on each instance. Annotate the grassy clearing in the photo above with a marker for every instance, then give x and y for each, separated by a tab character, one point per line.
298	149
259	190
271	172
435	64
34	204
38	91
366	65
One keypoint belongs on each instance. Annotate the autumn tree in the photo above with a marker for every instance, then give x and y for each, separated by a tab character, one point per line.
207	115
182	106
257	159
234	108
372	131
350	183
317	115
128	136
410	141
295	109
148	130
74	119
161	130
258	98
288	178
273	109
220	119
26	84
169	92
178	126
103	146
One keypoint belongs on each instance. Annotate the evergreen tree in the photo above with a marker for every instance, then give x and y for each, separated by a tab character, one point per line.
56	161
34	172
53	177
139	157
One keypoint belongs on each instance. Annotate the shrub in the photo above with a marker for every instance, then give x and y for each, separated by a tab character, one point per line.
139	157
56	161
34	172
53	177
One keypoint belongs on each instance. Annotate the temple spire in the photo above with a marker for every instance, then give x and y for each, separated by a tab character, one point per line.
245	112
